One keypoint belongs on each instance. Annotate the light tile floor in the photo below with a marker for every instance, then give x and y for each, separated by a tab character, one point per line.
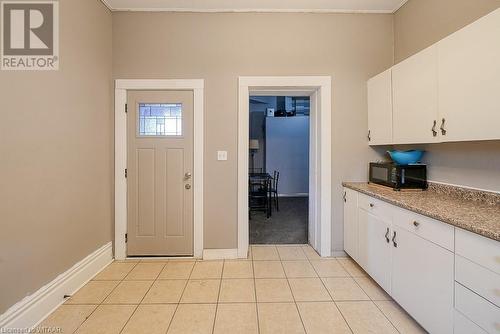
279	289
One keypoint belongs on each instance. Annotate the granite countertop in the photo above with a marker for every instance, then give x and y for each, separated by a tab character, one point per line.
471	210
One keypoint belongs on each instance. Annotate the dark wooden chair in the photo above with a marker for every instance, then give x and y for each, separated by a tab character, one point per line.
259	198
255	170
274	189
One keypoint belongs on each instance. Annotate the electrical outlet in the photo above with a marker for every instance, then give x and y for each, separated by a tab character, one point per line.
222	155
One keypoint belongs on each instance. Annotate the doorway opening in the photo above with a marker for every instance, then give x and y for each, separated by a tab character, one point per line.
318	89
278	195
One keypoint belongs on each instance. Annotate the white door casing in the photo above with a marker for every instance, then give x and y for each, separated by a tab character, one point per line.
121	88
319	89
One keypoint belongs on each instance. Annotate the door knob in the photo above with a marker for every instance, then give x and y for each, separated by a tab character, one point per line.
187	176
187	186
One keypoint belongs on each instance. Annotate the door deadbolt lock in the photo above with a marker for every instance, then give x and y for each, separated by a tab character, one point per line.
187	186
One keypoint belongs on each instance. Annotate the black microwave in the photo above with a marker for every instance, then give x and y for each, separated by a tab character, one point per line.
398	176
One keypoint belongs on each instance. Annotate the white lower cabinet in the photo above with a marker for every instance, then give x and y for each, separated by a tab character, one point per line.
463	325
422	280
374	251
480	311
420	262
351	223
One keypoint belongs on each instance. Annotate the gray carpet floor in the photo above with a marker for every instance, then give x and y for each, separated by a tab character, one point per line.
288	226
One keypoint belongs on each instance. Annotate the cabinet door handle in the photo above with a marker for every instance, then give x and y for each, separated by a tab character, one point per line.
443	130
369	135
372	205
416	223
394	242
434	132
345	196
387	236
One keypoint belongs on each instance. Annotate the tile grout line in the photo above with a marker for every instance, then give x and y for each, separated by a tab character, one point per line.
178	303
255	294
291	292
371	299
99	304
333	300
142	299
393	325
218	296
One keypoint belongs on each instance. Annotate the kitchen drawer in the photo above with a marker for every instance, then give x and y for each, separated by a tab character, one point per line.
482	281
478	249
462	325
430	229
376	207
485	314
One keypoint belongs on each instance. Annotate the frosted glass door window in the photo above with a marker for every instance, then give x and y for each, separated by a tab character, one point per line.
160	119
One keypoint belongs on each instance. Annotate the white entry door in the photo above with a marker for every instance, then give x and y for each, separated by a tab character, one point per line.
159	173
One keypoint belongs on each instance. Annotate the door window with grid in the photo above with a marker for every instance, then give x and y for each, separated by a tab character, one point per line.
160	119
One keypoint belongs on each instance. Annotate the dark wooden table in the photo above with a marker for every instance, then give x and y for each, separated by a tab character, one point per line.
259	177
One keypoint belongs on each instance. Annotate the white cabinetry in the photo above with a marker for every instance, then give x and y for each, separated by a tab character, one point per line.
422	280
415	98
380	109
477	276
446	278
447	92
469	81
351	223
374	248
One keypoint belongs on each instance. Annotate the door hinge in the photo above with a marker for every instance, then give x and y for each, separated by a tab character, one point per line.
126	107
126	237
126	172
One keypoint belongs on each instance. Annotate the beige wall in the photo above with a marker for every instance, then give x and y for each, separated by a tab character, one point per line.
421	23
221	47
417	25
56	156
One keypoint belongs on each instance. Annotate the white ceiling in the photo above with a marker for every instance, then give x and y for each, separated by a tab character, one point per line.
320	6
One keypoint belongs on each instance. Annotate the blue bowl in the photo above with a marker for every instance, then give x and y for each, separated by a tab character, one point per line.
406	157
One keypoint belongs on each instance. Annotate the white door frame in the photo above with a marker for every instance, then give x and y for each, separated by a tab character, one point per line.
320	185
121	88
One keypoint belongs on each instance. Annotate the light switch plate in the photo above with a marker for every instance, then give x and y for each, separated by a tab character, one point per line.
222	155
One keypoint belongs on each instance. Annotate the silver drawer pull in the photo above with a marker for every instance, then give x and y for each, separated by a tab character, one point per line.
416	223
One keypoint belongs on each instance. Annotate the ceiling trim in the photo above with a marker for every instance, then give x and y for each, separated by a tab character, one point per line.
255	10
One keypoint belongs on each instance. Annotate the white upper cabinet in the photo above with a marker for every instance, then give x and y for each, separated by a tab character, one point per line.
380	109
469	81
415	98
447	92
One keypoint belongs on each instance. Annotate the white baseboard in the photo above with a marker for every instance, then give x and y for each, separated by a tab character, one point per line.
219	254
339	254
31	310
